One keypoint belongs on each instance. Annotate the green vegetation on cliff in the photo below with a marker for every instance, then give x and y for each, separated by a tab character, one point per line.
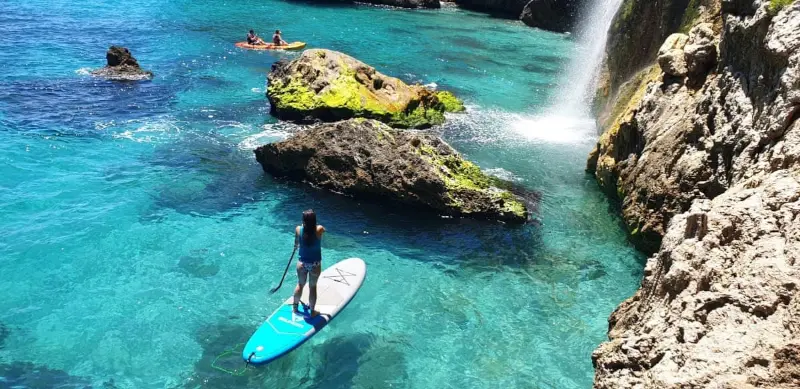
776	6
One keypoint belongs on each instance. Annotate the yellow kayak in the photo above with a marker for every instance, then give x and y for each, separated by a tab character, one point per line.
290	46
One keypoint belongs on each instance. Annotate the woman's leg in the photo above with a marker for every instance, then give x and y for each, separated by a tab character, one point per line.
301	281
312	287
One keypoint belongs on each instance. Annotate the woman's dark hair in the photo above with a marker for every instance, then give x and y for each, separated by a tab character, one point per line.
278	32
309	226
251	31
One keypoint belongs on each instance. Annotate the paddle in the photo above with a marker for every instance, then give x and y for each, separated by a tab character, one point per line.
284	272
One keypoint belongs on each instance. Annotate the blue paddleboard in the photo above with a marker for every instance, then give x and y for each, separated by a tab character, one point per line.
284	330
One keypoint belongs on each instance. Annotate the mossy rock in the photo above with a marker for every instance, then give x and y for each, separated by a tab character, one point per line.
324	85
369	160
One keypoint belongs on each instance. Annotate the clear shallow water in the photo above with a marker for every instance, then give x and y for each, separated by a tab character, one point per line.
139	237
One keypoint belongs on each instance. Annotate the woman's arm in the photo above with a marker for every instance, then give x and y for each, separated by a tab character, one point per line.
296	237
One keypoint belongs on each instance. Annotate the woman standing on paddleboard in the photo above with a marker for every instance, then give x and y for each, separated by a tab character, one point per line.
308	238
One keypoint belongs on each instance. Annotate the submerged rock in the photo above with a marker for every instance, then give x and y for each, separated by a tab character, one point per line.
370	160
329	86
4	333
122	66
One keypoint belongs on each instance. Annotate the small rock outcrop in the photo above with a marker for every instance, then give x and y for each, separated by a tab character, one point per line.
671	56
552	15
369	160
701	50
702	150
693	55
508	8
406	3
122	66
325	85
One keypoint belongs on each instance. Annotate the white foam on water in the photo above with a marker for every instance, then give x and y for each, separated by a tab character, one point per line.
149	132
555	128
503	174
271	133
84	71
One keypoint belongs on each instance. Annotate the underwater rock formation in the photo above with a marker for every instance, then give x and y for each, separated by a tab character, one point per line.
4	333
702	149
369	160
325	85
122	66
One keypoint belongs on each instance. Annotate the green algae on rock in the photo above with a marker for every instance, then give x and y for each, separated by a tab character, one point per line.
367	159
329	86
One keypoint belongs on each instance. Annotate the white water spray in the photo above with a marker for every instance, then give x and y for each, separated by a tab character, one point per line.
569	118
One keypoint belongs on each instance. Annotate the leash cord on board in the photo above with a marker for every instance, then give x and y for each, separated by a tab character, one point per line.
234	372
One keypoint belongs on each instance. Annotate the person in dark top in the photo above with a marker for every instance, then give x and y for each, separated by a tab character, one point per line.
308	237
253	39
277	40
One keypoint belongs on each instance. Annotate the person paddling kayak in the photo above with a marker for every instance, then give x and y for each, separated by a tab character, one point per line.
308	237
277	40
253	39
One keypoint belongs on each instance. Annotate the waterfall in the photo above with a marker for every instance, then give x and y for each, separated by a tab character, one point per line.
580	83
569	118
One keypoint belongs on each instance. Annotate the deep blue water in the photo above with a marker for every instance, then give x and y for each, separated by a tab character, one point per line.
139	237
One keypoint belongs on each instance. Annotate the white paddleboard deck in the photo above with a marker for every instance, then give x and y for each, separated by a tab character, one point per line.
284	330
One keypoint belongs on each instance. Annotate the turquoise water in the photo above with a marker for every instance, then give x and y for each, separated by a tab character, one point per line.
139	237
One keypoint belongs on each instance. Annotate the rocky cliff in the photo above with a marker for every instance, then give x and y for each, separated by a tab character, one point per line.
701	147
552	15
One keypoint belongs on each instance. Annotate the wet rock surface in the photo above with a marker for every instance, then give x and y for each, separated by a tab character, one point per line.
369	160
325	85
122	66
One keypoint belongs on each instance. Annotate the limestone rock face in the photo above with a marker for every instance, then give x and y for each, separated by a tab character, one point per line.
701	50
325	85
719	306
369	160
122	66
671	56
707	170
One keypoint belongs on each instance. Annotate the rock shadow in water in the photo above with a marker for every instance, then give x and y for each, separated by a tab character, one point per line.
198	266
337	361
4	333
74	106
357	360
210	176
215	340
26	375
467	41
411	233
